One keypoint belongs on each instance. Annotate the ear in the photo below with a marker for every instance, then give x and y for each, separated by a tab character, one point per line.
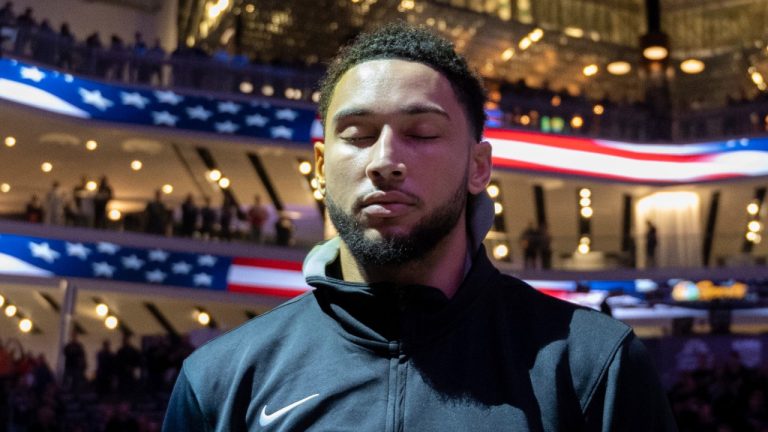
479	167
320	164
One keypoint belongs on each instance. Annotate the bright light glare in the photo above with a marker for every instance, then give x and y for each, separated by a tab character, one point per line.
500	251
167	189
224	182
114	215
246	87
214	175
2	301
655	53
590	70
136	165
585	202
753	208
102	310
91	185
317	195
493	190
5	188
111	322
586	212
525	43
619	68
91	145
267	90
577	122
536	34
583	248
498	208
305	167
585	193
598	109
10	141
508	54
203	318
46	167
754	226
11	310
692	66
25	325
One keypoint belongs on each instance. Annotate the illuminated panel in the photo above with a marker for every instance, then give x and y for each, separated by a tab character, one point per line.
636	163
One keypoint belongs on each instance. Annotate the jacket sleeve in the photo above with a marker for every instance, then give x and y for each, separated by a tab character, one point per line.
630	396
184	412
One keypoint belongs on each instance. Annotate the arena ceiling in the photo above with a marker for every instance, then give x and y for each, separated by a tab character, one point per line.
729	36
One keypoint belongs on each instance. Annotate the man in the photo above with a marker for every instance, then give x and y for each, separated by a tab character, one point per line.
410	327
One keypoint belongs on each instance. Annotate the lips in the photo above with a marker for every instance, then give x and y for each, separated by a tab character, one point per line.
387	204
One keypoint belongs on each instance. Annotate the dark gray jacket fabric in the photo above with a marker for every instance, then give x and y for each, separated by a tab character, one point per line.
498	356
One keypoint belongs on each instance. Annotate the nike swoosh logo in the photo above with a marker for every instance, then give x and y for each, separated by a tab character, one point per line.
267	419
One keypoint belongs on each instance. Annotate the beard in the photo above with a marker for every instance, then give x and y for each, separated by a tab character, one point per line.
395	250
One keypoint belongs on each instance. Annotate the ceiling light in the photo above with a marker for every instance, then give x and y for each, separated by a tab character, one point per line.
525	43
573	32
655	52
250	8
585	202
525	120
203	318
753	237
2	300
586	212
102	310
91	186
10	141
10	310
25	325
267	90
577	122
114	215
46	167
618	68
754	226
167	189
757	77
136	165
508	54
583	248
498	208
224	182
111	322
590	70
555	101
585	239
598	109
753	208
500	251
91	145
5	188
536	34
214	175
246	87
585	193
305	167
493	190
692	66
316	97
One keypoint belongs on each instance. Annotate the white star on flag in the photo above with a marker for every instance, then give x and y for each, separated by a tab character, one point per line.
181	267
199	113
69	78
158	255
226	127
134	99
202	279
286	114
132	262
156	275
164	117
32	73
206	260
103	269
229	107
43	251
168	97
107	248
281	132
95	98
259	104
256	120
78	250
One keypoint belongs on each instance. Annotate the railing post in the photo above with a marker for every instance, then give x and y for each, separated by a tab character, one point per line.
66	323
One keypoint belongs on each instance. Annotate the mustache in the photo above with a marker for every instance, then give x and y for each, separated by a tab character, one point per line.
363	198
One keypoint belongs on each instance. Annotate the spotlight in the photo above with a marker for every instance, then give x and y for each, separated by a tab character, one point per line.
585	193
590	70
167	189
618	68
10	141
11	310
655	52
586	212
5	188
114	215
500	251
91	145
46	167
577	122
508	54
136	165
493	190
753	208
91	186
305	167
25	325
214	175
203	318
224	182
498	208
583	248
692	66
2	300
102	310
111	322
585	202
754	226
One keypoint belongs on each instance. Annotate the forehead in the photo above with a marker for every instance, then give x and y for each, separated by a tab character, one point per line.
390	85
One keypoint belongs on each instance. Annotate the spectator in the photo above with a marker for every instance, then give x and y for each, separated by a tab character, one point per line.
208	219
83	203
94	63
228	211
7	17
65	45
116	61
44	45
34	211
156	215
257	216
105	368
127	360
100	202
74	364
529	243
156	56
651	243
25	23
189	214
54	205
284	231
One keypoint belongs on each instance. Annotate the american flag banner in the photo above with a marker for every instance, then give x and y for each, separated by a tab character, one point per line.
69	95
625	162
42	257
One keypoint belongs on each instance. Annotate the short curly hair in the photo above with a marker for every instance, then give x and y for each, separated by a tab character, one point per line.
417	44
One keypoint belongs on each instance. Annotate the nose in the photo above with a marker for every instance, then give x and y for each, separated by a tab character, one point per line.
386	164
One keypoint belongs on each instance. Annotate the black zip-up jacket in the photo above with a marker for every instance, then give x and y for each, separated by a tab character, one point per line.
498	356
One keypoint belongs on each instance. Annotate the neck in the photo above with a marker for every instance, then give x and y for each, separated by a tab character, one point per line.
441	268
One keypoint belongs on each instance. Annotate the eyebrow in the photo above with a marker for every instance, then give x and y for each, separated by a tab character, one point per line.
408	110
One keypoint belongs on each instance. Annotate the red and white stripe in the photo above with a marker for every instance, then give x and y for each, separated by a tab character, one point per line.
266	276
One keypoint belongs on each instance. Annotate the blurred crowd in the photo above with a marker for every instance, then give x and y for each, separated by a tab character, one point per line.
88	202
727	397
